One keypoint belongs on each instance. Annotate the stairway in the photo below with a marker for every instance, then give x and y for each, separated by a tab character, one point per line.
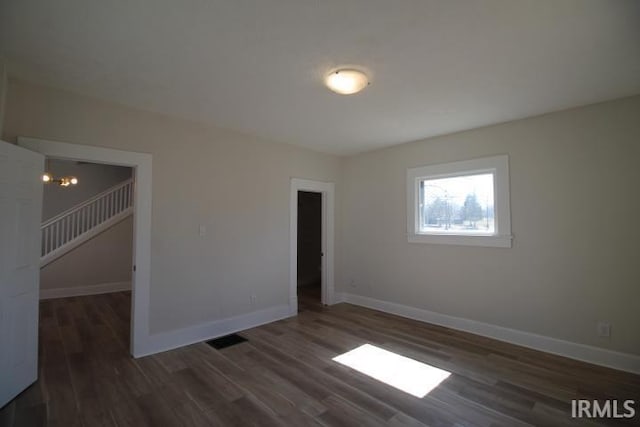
73	227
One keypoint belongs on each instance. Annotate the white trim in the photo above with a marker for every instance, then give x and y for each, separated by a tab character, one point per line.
586	353
103	288
173	339
476	240
496	165
141	277
84	237
327	189
340	297
4	82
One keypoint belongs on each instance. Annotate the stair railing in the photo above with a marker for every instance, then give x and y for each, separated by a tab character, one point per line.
76	223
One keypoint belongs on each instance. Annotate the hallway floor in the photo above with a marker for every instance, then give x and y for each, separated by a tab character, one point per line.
309	298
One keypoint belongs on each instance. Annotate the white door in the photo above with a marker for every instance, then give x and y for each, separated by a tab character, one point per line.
20	215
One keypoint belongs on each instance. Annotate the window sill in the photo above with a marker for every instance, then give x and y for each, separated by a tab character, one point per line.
440	239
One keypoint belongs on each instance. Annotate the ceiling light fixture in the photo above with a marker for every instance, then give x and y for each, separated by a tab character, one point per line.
347	81
65	181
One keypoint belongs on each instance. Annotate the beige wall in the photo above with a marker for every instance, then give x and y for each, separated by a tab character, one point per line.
3	92
92	179
236	185
102	260
575	182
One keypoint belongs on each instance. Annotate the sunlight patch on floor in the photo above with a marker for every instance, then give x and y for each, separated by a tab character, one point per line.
405	374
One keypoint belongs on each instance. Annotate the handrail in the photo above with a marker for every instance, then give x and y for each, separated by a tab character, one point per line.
66	229
86	202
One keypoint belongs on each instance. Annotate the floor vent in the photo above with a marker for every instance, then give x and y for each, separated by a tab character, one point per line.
226	341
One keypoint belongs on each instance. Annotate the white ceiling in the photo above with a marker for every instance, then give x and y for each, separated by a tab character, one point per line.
257	66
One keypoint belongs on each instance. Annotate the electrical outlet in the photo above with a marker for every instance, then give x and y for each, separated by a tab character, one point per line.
254	299
353	283
202	230
604	329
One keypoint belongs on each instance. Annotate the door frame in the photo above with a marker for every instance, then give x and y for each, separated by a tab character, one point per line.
141	275
327	190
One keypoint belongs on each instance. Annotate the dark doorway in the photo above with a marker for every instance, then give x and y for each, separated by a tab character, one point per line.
309	249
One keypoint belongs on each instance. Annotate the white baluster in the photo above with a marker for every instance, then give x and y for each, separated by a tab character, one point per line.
82	224
93	214
84	219
88	216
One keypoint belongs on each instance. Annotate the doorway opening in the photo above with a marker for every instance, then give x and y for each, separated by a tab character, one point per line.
309	280
87	241
311	241
139	195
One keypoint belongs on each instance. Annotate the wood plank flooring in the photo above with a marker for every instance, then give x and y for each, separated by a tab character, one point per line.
284	375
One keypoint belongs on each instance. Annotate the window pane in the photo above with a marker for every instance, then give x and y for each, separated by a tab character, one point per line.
457	205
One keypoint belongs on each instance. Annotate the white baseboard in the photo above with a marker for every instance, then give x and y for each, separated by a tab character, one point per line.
103	288
598	356
164	341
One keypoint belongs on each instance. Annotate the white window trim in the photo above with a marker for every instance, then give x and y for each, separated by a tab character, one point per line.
499	166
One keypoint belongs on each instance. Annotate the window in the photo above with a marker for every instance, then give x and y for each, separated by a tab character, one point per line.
461	203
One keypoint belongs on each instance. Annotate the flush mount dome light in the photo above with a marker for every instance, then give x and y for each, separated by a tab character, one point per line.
347	81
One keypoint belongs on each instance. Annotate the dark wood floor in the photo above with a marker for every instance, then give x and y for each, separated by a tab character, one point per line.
284	375
309	298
